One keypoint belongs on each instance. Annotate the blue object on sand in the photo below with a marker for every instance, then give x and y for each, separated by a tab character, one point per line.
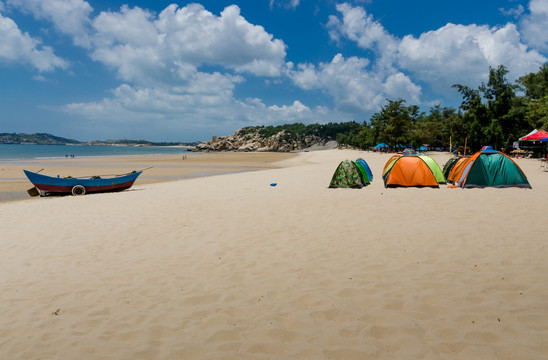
273	184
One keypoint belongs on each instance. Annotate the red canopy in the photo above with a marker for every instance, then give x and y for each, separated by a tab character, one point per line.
541	134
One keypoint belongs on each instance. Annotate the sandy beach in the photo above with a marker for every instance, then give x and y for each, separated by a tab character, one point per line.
229	267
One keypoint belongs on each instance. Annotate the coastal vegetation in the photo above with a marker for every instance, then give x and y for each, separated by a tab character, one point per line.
497	113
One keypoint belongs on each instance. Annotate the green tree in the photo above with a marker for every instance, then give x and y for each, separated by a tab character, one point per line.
475	118
535	86
499	119
394	123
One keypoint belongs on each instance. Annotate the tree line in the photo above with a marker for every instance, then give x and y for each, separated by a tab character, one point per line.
497	113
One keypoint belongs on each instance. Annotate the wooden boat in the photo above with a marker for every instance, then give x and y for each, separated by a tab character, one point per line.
49	185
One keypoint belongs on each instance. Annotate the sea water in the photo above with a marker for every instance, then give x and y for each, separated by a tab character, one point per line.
28	152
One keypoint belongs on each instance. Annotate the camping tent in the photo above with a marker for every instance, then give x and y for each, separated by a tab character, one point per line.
434	167
456	167
381	146
449	165
349	174
488	168
408	170
390	162
362	162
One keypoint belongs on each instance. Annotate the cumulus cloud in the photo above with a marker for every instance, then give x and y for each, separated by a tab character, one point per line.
462	54
180	111
354	88
70	17
356	25
534	25
151	48
442	57
18	47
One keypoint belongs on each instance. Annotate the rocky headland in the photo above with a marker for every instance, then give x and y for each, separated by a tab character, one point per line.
250	139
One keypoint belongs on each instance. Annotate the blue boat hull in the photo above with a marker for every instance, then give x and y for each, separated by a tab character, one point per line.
56	185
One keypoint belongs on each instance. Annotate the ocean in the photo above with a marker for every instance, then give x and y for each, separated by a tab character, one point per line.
28	152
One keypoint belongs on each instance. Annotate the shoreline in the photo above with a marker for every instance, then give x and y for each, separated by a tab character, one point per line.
165	168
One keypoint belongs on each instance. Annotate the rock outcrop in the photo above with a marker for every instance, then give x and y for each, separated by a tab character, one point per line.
251	140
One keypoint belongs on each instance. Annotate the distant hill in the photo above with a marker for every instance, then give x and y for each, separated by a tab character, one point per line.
39	138
48	139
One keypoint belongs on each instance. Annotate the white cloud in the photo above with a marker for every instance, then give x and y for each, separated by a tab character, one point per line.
462	54
515	12
152	49
358	26
399	85
196	35
189	110
354	88
534	25
70	17
296	108
18	47
288	4
442	57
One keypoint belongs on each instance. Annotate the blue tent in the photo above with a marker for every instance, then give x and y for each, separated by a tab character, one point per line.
381	145
488	150
366	167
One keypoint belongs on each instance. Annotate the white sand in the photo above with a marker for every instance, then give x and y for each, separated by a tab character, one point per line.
229	267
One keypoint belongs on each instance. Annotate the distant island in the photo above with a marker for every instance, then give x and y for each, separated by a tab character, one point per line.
48	139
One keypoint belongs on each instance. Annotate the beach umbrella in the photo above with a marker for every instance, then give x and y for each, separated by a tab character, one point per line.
381	145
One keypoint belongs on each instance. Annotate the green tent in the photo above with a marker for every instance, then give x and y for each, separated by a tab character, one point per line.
449	165
349	174
436	170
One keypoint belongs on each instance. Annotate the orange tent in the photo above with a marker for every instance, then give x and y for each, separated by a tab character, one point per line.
408	171
392	158
459	164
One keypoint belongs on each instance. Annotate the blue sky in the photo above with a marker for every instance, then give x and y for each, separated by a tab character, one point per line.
182	71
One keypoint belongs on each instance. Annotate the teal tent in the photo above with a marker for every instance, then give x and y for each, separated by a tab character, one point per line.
489	168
